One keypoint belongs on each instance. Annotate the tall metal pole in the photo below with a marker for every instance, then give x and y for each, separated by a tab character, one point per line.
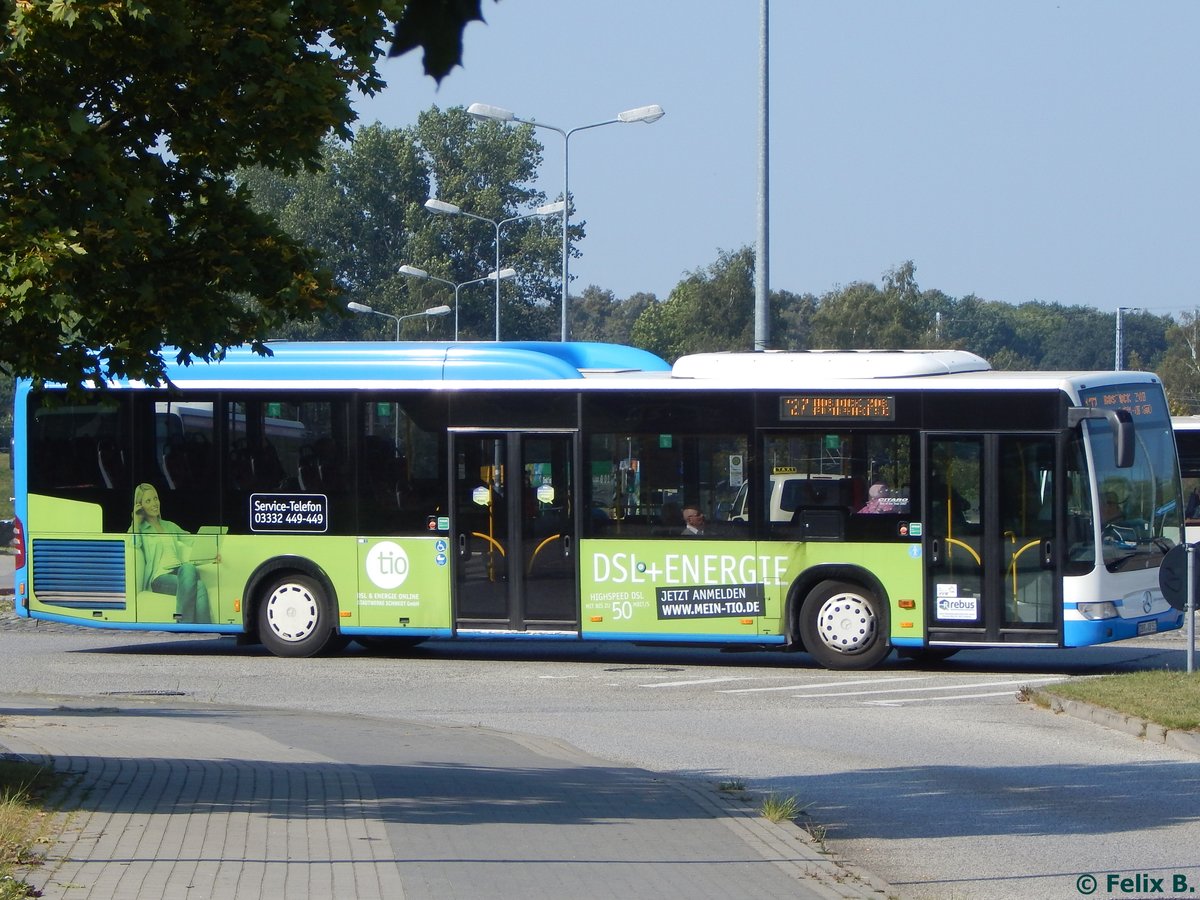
497	269
566	290
762	279
1190	608
646	114
1119	353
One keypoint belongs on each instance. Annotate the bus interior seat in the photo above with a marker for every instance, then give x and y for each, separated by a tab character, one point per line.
383	467
177	464
268	471
82	466
308	470
111	460
241	469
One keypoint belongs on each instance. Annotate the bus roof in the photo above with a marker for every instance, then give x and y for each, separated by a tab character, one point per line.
370	361
543	365
818	365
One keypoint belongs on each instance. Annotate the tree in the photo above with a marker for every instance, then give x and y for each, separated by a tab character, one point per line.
791	319
360	211
120	229
711	309
984	327
436	25
598	315
363	211
489	169
1180	364
862	315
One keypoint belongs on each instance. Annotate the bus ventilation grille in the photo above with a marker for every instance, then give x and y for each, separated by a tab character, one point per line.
79	574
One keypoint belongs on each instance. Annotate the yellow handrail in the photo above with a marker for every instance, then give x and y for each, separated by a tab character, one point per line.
1033	543
491	540
967	547
538	549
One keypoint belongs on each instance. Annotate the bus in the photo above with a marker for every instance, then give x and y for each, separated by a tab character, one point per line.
1187	443
857	502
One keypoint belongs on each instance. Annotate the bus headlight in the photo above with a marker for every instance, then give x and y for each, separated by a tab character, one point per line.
1105	610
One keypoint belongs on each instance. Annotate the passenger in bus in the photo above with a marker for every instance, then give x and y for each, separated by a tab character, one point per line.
163	545
877	501
1193	505
695	523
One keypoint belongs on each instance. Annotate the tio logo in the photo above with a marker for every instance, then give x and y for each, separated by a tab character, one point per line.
387	565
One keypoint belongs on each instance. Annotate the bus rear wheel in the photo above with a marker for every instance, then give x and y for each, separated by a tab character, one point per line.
295	618
844	626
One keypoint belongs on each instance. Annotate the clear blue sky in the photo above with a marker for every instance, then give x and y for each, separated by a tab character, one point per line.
1013	149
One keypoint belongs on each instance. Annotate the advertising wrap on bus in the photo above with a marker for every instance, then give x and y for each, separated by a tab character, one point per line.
843	504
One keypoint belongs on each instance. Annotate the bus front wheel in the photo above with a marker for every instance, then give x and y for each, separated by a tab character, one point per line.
844	626
295	618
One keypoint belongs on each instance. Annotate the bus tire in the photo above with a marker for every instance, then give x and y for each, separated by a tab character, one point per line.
295	618
844	626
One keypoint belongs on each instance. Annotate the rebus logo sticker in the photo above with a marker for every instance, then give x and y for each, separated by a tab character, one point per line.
387	565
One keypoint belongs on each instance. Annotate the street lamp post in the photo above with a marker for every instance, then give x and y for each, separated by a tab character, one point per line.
449	209
498	276
646	114
425	313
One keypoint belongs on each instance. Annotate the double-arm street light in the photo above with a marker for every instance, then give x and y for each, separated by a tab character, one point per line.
498	276
425	313
645	114
449	209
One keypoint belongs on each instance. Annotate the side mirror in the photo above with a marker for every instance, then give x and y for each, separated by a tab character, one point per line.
1122	426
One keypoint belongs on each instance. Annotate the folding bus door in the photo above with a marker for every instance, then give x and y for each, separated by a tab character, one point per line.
514	530
993	573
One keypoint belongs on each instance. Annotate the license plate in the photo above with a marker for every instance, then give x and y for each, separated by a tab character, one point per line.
1147	627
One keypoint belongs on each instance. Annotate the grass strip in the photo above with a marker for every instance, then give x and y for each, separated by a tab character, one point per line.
24	822
1169	698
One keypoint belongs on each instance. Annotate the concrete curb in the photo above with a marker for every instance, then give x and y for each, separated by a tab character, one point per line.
1187	741
787	844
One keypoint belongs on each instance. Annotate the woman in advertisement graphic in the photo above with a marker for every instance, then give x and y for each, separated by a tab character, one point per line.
165	565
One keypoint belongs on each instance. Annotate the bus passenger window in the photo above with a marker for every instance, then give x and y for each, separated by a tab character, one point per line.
401	467
640	483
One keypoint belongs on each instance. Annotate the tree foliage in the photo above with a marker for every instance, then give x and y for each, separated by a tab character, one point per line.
359	211
122	120
711	309
1180	365
597	315
894	316
490	170
437	26
363	210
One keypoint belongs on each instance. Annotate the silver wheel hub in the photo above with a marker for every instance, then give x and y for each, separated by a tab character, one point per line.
292	612
846	623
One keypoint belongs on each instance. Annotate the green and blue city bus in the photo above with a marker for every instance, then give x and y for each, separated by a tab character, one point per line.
856	502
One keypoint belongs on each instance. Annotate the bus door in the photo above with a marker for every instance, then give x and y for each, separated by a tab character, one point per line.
514	530
989	526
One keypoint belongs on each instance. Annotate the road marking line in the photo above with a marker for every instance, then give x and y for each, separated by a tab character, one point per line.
898	702
945	687
821	684
696	681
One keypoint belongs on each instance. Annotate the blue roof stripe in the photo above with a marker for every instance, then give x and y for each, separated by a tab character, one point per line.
421	361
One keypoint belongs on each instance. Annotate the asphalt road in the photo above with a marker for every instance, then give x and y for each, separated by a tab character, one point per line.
937	780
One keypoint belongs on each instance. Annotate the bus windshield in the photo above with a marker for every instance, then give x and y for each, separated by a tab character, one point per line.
1139	510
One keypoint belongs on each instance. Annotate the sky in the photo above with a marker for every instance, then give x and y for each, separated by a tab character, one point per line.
1012	149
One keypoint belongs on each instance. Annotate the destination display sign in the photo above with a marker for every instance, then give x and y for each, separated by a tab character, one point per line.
1143	401
821	407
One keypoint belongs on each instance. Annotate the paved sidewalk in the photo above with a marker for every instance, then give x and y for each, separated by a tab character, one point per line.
180	800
